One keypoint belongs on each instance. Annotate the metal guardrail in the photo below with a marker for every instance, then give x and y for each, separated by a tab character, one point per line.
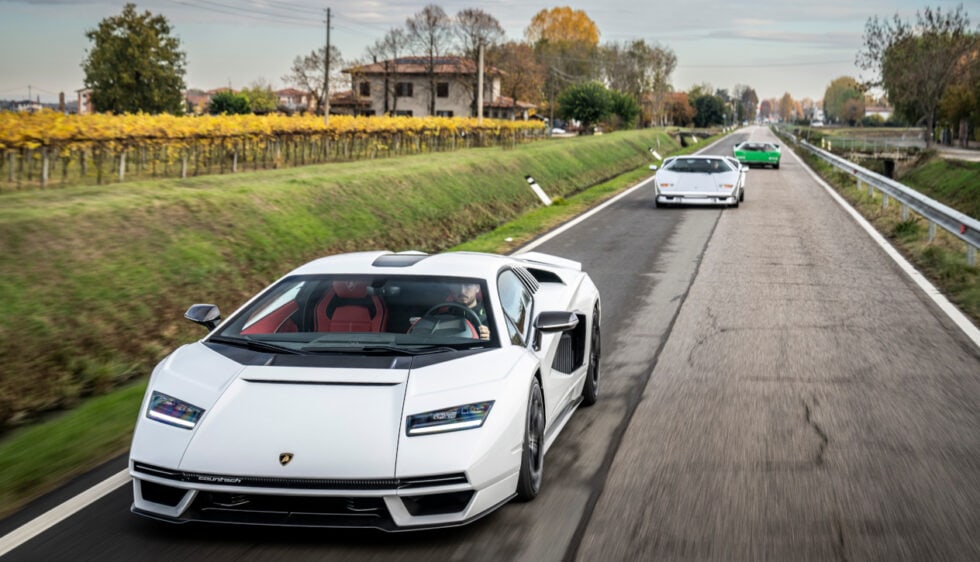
956	223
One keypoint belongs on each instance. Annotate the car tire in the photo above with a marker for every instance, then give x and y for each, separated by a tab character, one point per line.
590	390
776	166
532	457
741	196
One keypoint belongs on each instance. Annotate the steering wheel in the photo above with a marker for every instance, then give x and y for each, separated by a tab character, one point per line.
466	312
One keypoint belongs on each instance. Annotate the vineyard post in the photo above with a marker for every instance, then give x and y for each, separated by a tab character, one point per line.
65	160
122	163
44	166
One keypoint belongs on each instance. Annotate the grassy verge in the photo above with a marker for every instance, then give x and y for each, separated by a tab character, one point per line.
943	260
96	279
488	209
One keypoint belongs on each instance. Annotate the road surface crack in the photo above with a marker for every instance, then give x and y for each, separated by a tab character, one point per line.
824	440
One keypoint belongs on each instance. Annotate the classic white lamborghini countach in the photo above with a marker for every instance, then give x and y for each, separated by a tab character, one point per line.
395	391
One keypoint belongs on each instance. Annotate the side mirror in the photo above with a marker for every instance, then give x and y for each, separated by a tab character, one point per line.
206	315
553	321
653	167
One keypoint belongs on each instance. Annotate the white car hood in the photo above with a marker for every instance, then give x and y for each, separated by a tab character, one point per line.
696	182
338	422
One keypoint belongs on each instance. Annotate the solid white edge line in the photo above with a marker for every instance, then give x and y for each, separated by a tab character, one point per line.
57	514
954	314
568	225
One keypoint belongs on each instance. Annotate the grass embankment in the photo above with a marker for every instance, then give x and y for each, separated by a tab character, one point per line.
943	260
95	281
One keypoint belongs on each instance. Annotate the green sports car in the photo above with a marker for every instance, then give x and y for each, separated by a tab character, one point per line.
758	154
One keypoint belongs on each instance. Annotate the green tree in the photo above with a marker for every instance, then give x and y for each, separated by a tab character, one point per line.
625	108
709	109
135	64
587	103
916	63
841	100
230	103
261	98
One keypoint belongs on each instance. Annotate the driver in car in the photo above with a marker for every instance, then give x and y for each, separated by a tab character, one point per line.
466	294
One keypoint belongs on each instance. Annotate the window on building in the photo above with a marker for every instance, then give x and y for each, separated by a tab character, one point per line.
403	113
365	89
444	113
442	89
404	89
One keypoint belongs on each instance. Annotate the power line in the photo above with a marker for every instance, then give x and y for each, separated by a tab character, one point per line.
246	13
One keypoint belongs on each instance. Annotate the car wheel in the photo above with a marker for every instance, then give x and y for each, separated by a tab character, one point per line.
532	459
590	391
776	166
741	196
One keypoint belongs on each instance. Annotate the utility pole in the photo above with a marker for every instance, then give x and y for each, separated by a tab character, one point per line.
479	87
326	75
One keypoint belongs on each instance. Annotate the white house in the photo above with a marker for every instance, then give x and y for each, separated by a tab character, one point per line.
402	86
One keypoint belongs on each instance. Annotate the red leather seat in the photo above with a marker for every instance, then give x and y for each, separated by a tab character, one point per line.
347	307
276	322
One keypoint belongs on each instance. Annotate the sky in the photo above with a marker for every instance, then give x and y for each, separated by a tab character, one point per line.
789	46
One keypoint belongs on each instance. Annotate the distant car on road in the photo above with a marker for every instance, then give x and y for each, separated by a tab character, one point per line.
395	391
758	153
700	180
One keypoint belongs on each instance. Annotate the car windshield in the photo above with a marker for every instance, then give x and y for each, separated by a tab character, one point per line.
756	148
699	166
355	314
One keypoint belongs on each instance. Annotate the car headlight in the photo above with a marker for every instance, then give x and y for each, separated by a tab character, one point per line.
171	411
467	416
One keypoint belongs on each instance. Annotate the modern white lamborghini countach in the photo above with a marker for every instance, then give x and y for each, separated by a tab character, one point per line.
395	391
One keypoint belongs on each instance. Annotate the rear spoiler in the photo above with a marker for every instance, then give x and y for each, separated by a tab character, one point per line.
548	259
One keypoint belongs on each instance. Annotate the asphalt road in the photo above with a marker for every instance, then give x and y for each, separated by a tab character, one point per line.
774	387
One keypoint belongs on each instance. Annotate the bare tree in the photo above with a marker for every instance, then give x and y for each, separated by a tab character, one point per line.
524	74
474	28
642	71
307	74
388	49
748	100
431	32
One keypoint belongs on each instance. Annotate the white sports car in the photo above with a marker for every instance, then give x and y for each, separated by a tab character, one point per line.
396	391
700	180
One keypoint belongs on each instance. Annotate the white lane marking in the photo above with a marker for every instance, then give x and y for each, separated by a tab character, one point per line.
561	229
57	514
954	314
